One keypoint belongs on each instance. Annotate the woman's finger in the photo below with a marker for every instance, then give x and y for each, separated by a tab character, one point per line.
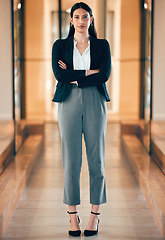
62	67
62	64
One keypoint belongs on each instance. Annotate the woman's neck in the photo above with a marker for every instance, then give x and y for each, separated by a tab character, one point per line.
81	37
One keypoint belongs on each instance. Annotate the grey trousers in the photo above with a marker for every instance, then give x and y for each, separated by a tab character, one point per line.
83	112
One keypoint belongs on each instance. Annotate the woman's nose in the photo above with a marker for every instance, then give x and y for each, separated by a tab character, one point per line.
81	20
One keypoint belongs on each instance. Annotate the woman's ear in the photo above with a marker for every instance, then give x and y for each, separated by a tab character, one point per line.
91	19
71	20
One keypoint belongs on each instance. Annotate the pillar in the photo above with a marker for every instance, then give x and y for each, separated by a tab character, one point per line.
99	12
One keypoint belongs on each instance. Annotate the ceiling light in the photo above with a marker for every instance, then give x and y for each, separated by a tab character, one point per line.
19	6
145	5
68	10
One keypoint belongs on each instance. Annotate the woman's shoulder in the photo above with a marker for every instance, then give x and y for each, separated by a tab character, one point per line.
101	42
61	45
58	41
63	40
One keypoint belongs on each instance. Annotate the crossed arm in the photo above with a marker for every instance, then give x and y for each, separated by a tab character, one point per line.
84	78
88	72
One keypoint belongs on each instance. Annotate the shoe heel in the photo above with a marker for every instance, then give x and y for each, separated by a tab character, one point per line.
89	233
76	233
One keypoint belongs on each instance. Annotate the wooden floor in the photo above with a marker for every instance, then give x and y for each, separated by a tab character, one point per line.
41	213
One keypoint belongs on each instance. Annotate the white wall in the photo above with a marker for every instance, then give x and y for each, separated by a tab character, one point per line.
158	61
5	61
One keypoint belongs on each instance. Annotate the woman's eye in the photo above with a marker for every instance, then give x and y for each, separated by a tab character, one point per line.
85	16
77	17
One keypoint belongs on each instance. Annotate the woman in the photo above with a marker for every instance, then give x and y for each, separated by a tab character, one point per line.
82	64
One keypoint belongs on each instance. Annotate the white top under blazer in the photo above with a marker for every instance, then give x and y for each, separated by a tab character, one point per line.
81	62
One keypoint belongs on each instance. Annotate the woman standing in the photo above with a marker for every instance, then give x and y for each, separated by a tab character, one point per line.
82	64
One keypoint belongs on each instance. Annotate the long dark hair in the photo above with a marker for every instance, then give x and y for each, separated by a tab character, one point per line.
91	30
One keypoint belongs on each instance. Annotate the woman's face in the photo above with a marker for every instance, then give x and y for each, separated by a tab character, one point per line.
81	20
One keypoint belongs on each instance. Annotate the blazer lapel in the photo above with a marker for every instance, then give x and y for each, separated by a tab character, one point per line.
92	51
69	52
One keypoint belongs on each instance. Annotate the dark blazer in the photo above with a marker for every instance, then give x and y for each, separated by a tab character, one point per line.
100	59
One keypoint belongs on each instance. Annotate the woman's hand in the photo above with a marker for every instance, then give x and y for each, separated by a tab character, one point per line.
62	64
89	72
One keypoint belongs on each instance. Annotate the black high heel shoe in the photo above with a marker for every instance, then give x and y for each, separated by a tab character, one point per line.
89	233
76	233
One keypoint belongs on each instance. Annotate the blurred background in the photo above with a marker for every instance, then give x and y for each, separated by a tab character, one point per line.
29	133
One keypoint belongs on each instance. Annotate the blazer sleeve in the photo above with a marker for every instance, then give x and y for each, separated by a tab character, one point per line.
63	75
105	69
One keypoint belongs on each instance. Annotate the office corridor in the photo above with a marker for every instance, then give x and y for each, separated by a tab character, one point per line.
41	214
